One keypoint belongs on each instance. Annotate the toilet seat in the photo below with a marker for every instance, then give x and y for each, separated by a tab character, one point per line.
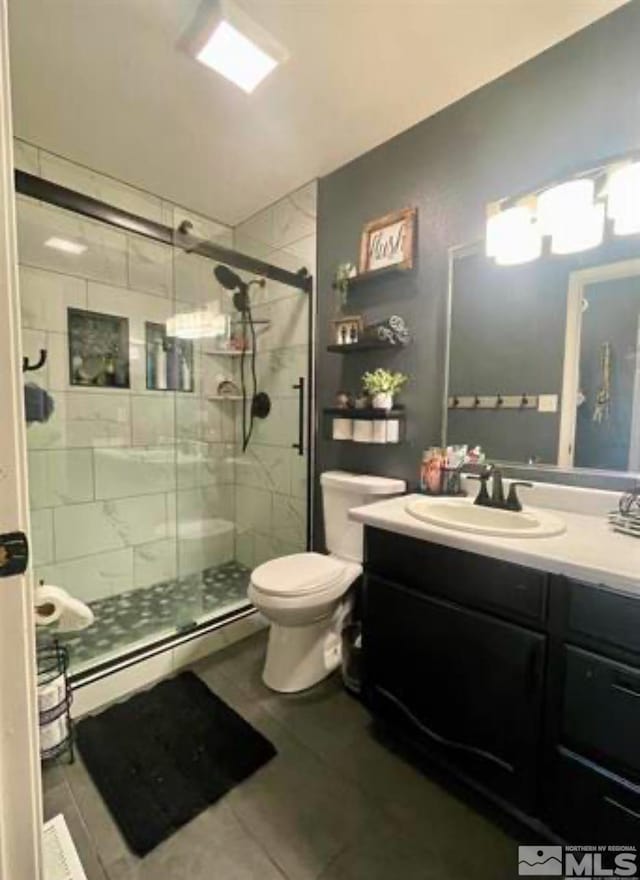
300	574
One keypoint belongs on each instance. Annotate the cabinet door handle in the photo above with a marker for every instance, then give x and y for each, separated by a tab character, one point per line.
445	741
618	806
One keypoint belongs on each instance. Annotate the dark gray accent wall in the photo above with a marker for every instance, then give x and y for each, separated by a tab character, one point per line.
577	102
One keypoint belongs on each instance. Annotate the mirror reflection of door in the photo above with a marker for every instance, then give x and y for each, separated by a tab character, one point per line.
608	405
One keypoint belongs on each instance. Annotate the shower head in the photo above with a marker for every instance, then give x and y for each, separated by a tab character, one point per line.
228	278
230	281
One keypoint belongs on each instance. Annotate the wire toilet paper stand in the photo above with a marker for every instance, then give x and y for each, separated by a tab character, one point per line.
54	702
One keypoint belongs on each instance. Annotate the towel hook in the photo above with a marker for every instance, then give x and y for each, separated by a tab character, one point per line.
27	367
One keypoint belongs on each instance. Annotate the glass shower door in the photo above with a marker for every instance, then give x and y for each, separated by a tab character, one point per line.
242	485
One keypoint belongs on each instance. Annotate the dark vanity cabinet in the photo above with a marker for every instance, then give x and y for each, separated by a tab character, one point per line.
510	678
468	683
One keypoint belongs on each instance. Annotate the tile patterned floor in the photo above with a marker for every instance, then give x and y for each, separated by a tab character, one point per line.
334	804
123	621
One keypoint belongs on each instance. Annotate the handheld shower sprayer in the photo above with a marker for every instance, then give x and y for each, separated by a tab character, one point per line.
260	402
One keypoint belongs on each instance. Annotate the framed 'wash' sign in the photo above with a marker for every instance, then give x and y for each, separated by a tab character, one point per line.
389	241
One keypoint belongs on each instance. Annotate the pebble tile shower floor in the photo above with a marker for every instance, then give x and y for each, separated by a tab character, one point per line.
125	620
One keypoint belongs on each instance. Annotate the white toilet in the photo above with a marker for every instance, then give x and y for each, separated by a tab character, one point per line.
305	596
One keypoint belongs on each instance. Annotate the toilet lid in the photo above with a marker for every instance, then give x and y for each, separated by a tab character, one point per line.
297	574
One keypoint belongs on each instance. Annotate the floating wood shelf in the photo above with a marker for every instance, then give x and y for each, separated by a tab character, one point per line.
370	415
374	275
363	345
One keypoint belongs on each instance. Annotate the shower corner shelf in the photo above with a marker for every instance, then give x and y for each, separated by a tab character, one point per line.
215	398
229	353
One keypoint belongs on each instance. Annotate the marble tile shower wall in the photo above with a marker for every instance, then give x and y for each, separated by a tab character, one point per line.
271	478
128	487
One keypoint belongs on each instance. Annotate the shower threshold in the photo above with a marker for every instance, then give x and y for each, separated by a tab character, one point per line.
136	620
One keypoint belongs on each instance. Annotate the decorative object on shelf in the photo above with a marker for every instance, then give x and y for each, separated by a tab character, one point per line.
227	388
169	360
389	241
392	331
98	349
382	385
344	400
344	273
54	702
362	401
347	329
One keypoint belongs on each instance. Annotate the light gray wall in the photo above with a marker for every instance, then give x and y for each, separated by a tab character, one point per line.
577	102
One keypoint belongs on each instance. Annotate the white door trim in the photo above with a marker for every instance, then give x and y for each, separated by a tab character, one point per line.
571	369
20	783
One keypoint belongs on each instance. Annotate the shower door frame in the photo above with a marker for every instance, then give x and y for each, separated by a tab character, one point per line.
20	780
51	193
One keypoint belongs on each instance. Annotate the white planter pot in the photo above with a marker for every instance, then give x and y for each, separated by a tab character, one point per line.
384	400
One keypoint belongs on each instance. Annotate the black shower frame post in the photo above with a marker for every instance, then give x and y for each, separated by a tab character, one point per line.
54	194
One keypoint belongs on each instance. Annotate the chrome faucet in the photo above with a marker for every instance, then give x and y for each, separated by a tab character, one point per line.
497	497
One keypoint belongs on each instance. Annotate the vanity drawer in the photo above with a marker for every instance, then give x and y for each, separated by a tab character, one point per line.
587	805
473	580
601	709
611	619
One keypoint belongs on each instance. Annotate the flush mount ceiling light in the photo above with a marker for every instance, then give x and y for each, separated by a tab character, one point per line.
513	236
623	193
65	245
227	40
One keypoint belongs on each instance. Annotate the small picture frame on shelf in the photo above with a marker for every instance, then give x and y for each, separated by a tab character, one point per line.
98	349
388	241
347	329
169	360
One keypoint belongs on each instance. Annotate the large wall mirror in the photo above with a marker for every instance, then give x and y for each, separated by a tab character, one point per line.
544	345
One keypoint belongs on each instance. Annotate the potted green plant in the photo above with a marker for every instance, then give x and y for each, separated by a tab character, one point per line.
382	385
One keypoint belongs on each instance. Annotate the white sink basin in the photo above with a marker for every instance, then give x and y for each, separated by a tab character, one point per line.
465	516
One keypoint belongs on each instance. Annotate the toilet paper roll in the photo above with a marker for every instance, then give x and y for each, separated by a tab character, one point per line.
342	429
54	606
53	733
378	432
362	431
53	693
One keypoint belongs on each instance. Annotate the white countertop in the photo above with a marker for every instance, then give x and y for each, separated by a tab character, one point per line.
588	550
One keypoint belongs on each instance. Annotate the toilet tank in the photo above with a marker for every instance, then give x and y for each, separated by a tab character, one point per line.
340	492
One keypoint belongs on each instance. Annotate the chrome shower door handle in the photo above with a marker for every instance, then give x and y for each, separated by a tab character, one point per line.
299	387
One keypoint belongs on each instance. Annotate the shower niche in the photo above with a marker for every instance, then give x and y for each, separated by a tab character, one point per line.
98	349
169	360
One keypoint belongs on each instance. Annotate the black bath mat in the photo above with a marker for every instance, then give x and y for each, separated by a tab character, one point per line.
164	755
